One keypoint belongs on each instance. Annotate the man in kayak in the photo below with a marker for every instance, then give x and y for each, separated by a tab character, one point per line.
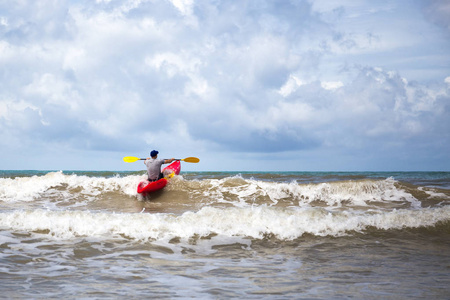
154	166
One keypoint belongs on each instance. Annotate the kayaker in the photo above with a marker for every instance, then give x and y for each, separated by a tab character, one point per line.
154	166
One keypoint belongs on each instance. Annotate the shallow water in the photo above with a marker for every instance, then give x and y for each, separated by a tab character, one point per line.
221	235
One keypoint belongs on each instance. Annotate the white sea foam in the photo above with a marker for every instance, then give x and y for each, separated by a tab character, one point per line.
433	194
31	188
246	222
234	191
362	193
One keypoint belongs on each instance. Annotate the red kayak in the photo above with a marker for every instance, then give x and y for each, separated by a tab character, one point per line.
145	187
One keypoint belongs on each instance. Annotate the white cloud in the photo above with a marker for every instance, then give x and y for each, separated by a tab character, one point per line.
290	86
242	76
173	64
332	85
54	91
4	21
184	6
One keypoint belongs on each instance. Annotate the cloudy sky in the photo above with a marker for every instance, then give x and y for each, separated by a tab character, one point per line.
245	85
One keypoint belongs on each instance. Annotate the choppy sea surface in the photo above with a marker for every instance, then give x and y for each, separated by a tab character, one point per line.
219	235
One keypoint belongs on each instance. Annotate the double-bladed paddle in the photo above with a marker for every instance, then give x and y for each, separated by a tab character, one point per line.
130	159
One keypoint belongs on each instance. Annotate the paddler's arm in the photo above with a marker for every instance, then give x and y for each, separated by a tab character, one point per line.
168	161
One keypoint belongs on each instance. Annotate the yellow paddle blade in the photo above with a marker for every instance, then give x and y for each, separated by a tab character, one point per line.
130	159
191	159
170	175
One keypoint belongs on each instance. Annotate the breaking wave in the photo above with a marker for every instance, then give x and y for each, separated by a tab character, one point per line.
69	205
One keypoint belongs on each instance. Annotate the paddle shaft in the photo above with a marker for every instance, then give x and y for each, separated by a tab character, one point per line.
131	159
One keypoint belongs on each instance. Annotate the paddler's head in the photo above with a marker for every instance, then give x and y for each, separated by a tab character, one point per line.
154	153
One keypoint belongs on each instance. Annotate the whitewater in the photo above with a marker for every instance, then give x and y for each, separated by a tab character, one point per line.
216	235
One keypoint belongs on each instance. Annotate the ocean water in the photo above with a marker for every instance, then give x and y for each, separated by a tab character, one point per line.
220	235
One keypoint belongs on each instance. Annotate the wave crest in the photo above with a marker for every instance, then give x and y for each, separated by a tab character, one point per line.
242	193
257	223
57	184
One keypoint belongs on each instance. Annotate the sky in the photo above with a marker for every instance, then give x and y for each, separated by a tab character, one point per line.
251	85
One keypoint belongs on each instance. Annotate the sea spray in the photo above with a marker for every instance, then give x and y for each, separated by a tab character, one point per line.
257	223
34	187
